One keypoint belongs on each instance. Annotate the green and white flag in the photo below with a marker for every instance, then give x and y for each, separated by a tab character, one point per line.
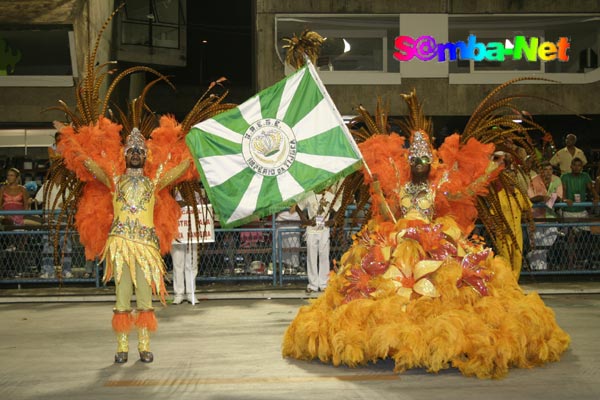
262	156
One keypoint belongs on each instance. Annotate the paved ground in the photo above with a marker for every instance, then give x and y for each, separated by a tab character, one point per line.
230	349
73	292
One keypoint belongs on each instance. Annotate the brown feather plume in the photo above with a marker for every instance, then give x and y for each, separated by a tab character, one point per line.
308	44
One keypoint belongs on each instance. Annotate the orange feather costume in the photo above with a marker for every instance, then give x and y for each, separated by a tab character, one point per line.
126	216
102	144
413	286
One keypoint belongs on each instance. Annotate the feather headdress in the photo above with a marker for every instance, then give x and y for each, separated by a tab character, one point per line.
98	132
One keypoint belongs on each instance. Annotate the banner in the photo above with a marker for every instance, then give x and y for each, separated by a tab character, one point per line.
261	157
203	233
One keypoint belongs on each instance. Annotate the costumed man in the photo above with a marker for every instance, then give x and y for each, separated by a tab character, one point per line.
117	176
132	251
184	255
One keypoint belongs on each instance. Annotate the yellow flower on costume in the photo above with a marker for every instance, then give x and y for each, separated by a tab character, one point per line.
414	278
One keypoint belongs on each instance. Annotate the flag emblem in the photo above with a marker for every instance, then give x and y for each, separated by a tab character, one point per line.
264	155
269	147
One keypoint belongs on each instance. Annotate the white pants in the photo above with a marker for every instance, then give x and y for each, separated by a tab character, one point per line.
543	238
317	258
185	268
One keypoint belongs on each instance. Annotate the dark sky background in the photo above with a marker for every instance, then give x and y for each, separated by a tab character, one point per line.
219	44
225	26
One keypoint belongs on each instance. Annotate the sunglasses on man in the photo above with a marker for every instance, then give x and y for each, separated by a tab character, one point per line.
137	150
419	160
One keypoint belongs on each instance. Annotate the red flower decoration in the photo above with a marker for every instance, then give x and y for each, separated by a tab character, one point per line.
433	240
474	272
357	285
374	262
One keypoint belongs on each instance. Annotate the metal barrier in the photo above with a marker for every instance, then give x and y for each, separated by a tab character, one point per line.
27	251
563	245
275	252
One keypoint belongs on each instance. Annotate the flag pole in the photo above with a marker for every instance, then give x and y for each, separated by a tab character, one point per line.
314	73
385	203
191	275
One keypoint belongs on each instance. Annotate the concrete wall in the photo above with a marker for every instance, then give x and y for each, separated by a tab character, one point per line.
440	97
23	105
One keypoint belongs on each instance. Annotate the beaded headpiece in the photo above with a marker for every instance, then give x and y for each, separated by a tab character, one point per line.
135	140
420	146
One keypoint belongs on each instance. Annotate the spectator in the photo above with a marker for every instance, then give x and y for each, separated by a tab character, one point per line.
530	168
577	185
545	188
318	207
185	264
565	156
14	196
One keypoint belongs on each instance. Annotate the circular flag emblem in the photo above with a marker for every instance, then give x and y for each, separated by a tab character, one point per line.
269	147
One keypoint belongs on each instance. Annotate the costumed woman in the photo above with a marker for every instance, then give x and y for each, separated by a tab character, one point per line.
417	289
416	285
118	178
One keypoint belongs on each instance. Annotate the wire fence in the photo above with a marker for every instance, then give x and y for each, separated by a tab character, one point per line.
271	251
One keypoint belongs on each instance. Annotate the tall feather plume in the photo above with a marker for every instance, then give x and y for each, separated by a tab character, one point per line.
493	121
87	92
207	106
308	44
416	119
70	188
91	107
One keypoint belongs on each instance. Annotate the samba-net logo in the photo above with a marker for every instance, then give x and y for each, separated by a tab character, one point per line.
425	48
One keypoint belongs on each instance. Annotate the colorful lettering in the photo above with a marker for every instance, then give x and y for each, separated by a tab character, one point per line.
425	48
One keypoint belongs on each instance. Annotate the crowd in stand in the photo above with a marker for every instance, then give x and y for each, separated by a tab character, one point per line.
554	178
561	178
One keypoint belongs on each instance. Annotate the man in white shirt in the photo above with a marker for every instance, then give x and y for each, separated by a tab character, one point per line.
563	157
185	264
319	207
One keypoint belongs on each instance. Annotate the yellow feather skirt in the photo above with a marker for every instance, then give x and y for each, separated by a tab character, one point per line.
481	335
120	253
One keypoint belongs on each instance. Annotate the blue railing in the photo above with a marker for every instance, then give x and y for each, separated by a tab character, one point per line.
272	251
